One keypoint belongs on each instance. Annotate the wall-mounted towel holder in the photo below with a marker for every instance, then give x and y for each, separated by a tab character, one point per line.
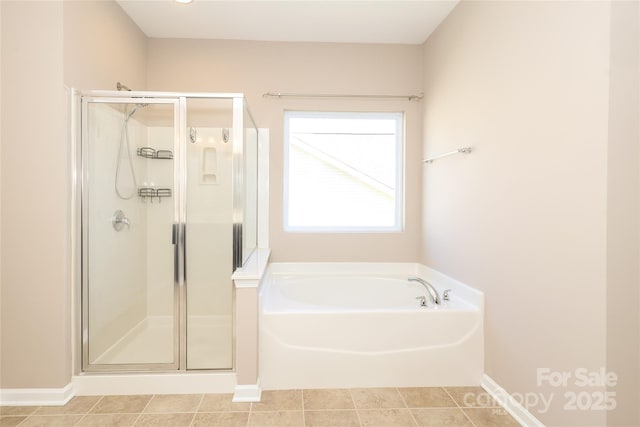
463	150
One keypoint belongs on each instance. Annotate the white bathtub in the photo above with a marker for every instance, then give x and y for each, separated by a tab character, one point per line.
326	325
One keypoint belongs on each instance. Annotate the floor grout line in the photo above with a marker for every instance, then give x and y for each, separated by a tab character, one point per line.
460	407
197	410
193	418
415	421
143	409
28	415
304	418
95	404
451	397
355	407
81	418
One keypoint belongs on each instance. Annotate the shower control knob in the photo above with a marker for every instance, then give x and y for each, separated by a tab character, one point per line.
119	220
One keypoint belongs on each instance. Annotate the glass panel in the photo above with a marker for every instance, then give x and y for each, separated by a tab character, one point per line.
209	228
128	212
250	154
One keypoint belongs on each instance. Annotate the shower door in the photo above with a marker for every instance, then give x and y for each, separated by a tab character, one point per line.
165	183
131	267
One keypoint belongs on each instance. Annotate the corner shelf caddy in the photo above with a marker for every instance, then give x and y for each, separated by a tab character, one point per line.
154	192
151	153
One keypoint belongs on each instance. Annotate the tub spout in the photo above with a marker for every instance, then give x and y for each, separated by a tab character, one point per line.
431	291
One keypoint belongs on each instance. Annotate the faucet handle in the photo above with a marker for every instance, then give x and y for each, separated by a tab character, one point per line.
423	301
119	220
445	294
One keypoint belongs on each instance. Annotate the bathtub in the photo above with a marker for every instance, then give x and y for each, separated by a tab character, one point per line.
344	325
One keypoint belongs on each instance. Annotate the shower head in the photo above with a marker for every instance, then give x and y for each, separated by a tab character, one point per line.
133	110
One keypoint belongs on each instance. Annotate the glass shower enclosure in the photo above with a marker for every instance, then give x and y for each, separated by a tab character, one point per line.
168	212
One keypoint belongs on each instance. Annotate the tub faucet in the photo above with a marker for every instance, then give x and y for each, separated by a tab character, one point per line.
431	291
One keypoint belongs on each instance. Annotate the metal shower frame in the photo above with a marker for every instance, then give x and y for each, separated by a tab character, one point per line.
179	101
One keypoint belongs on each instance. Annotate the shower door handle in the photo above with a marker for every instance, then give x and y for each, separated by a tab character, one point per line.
176	256
179	252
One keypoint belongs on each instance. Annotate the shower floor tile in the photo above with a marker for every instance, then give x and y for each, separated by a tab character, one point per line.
360	407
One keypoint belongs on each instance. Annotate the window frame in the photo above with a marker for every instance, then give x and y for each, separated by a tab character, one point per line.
399	118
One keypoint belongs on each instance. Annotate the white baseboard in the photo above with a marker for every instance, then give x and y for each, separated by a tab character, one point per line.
514	408
247	393
36	396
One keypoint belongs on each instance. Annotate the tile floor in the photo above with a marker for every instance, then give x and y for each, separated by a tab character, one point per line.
375	407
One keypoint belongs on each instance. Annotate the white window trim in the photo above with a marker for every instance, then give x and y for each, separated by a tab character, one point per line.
398	226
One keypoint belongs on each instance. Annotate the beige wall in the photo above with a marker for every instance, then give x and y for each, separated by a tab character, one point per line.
524	218
623	281
36	348
35	197
1	138
102	46
258	67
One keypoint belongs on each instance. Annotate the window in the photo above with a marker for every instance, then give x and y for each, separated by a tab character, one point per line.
343	172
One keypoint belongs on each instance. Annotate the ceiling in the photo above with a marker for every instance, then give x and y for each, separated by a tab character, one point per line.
340	21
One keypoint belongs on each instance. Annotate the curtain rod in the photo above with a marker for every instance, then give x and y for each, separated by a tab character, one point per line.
310	95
